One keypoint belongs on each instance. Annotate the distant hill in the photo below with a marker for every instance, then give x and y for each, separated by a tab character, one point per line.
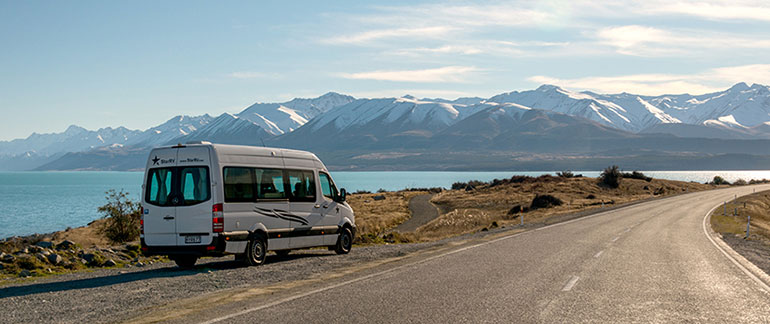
549	120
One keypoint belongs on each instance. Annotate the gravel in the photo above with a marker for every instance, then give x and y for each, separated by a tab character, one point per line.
119	294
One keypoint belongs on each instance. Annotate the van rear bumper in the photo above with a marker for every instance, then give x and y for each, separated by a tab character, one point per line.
216	248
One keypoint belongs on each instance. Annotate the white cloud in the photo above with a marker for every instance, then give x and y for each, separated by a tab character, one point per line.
395	33
656	84
649	41
717	10
443	74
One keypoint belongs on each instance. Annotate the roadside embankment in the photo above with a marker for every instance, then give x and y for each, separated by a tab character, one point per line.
479	206
730	220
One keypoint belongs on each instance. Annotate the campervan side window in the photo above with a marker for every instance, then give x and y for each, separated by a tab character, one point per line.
270	184
302	185
159	191
253	184
239	184
327	186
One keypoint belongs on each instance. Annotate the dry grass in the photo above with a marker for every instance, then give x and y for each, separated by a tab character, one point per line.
486	206
86	236
376	217
757	205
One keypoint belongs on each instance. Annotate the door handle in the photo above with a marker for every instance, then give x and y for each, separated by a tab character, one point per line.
168	217
317	206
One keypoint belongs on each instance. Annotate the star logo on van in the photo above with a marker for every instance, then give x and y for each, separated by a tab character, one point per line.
155	160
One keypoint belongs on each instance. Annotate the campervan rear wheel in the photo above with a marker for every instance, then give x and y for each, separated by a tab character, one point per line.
256	251
185	261
344	241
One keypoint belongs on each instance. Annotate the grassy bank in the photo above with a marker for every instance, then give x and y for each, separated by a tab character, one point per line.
475	206
731	218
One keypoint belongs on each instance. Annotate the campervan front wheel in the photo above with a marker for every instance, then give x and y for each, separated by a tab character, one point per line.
256	251
344	241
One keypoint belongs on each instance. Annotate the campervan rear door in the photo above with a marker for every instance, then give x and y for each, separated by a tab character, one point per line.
194	208
159	209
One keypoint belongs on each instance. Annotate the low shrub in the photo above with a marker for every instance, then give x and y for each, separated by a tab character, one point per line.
611	176
545	201
565	174
637	175
719	181
122	216
740	182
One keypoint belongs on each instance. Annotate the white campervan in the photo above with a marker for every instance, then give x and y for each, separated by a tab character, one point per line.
212	199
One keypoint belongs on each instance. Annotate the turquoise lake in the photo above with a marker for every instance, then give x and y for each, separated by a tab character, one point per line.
42	202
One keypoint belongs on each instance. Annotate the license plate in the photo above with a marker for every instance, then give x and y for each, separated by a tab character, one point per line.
192	239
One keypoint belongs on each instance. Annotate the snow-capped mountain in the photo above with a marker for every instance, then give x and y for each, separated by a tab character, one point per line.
379	121
227	129
75	138
282	118
175	127
739	106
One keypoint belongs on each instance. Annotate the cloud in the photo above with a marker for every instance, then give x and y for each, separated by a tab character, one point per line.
711	80
456	74
396	33
649	41
714	10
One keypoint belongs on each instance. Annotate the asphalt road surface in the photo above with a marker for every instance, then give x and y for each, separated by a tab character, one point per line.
650	262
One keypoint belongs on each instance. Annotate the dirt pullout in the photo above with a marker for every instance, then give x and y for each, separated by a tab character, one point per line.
422	212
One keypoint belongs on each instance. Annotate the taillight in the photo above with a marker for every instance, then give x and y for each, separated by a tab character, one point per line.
217	218
141	220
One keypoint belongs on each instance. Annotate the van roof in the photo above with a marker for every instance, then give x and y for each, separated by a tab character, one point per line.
225	149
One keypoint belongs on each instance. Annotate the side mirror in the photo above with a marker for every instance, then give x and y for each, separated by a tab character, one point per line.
343	195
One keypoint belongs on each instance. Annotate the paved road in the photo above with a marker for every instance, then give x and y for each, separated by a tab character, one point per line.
650	262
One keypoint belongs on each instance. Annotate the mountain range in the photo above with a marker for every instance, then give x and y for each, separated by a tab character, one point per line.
517	128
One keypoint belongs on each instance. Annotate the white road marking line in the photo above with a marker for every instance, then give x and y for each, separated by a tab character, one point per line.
598	254
615	239
571	283
288	299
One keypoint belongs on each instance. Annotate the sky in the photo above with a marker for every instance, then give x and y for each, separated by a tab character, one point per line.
138	63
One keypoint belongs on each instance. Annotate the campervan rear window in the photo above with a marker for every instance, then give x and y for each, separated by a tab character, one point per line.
180	186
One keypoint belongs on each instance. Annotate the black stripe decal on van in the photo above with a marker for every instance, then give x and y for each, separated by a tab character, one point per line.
282	214
303	231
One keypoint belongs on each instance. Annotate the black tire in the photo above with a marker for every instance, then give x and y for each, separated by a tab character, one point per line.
256	251
185	261
282	253
344	241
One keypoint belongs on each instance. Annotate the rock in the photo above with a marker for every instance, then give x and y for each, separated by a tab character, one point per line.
110	263
8	258
41	257
44	244
24	251
139	264
46	252
1	267
379	197
66	244
55	259
34	249
24	273
89	257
